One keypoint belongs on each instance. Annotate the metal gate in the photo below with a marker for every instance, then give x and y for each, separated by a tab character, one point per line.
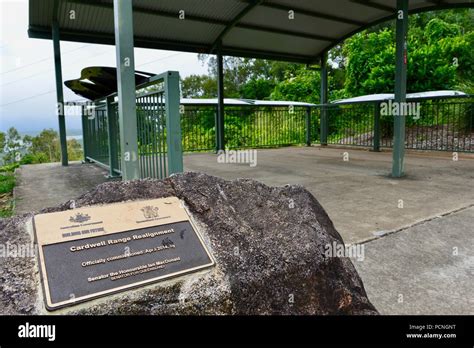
158	130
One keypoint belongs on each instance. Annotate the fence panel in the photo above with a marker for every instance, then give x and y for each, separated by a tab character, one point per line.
97	136
198	127
246	126
151	124
267	126
351	124
157	110
435	125
442	126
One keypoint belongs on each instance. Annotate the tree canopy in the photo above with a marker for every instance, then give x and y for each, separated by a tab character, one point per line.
42	148
440	56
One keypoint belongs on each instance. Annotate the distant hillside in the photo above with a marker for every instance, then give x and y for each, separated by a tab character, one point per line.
69	132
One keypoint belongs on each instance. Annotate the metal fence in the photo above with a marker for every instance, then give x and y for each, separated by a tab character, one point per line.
151	131
198	127
246	126
441	124
155	158
95	136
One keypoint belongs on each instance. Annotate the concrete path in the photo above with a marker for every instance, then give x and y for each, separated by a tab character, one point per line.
47	185
424	269
358	195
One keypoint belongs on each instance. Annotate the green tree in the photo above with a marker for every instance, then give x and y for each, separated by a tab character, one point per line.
249	78
74	150
198	86
305	87
440	56
13	146
45	146
3	141
258	89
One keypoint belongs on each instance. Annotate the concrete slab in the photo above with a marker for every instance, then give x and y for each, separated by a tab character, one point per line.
359	196
424	269
49	184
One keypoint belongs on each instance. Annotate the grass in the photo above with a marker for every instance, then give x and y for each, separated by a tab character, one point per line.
7	183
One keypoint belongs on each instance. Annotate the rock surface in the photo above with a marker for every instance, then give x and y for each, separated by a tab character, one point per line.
268	243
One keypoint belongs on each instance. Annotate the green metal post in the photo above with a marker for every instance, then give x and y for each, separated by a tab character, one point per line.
308	126
111	135
400	88
377	126
324	100
85	134
173	123
220	142
123	23
59	92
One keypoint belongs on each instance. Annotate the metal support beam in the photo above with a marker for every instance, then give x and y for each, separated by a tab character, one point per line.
59	92
123	25
112	137
173	123
218	41
314	14
220	142
400	88
374	5
324	100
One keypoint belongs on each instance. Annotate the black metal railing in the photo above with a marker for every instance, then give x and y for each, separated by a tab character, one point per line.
247	126
438	124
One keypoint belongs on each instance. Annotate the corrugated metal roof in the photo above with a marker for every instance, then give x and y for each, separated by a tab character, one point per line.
265	31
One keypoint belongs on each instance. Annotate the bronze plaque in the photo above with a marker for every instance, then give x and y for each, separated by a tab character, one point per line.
94	251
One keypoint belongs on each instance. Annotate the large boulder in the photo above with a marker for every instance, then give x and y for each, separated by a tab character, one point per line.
268	242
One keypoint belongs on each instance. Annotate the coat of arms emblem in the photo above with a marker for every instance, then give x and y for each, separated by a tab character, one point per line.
79	218
150	212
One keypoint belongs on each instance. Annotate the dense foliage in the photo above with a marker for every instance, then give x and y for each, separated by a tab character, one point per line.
440	56
43	148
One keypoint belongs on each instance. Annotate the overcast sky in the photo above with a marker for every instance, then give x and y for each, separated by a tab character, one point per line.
27	70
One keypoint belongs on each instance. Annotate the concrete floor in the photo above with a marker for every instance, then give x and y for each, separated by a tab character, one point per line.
408	250
359	196
47	185
425	269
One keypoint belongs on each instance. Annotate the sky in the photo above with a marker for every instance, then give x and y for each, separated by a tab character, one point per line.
27	80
